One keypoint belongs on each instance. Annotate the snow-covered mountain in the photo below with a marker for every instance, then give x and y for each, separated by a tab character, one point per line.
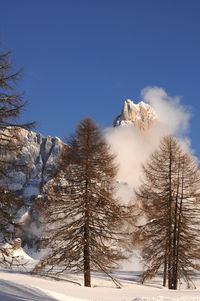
38	154
139	115
36	160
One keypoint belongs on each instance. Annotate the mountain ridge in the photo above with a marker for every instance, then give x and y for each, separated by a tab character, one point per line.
38	154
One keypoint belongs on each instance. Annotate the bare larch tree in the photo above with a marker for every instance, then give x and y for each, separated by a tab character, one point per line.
11	108
170	194
10	226
86	223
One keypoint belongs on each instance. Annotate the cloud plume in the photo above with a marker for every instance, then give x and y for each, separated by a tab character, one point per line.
169	110
133	147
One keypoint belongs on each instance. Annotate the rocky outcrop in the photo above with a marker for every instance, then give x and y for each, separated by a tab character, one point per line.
17	243
35	161
140	115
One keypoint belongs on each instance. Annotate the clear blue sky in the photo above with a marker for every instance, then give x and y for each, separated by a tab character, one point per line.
85	57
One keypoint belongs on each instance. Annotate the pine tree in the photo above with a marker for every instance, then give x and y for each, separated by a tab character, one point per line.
170	197
86	222
11	108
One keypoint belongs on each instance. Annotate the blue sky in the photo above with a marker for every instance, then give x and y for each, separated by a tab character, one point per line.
85	57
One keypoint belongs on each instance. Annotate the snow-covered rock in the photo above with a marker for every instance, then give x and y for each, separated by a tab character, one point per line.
38	154
140	115
35	161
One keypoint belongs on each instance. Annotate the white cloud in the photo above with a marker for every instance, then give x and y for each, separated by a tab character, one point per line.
168	109
133	147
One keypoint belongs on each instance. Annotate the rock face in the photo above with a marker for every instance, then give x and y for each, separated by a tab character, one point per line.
140	115
37	158
38	154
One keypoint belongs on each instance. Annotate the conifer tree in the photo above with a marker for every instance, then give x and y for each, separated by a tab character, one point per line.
85	220
12	105
170	194
10	226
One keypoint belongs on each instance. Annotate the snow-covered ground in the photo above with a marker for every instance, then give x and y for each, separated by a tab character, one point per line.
20	286
15	286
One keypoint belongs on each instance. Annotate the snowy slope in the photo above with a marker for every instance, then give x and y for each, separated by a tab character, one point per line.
20	285
17	286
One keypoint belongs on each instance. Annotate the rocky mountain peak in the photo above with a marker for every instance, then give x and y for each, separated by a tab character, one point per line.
140	115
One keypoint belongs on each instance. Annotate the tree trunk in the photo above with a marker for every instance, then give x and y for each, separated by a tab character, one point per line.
174	274
87	276
173	283
86	259
165	270
165	265
178	234
170	226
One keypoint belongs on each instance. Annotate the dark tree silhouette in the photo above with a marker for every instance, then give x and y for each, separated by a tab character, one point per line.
10	226
11	108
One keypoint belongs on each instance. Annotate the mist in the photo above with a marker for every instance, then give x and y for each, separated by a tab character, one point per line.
133	147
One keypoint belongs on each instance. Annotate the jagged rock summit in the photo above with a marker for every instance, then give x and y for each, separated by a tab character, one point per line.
140	115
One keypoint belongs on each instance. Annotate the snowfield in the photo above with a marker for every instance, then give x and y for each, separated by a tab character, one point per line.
20	285
16	286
